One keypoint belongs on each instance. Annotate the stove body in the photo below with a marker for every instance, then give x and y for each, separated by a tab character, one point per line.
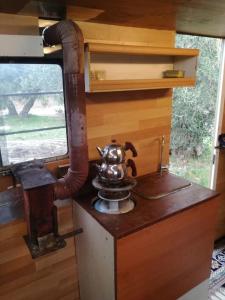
39	209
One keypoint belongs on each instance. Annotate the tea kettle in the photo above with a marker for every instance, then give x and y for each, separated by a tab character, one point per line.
114	173
115	153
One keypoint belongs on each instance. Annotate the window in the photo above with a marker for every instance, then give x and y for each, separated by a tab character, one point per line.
194	113
32	114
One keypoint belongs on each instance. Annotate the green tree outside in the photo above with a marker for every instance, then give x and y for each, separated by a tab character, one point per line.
193	124
25	78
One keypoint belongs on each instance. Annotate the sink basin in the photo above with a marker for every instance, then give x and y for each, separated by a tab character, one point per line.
156	186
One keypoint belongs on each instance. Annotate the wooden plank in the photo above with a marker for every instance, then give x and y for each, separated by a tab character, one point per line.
166	260
220	226
65	216
182	16
124	35
134	65
53	276
48	286
140	84
219	170
143	14
102	110
141	50
151	115
141	117
148	212
16	228
16	24
57	256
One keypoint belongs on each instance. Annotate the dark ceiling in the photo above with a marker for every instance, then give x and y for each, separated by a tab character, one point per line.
204	17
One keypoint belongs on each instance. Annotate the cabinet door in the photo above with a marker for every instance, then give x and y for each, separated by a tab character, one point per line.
95	258
169	258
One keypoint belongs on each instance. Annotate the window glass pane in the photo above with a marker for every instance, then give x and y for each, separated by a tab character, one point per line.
194	113
32	114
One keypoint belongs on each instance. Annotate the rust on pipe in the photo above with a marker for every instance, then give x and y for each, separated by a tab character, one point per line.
69	35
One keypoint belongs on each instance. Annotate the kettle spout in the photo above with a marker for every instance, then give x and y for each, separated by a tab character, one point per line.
99	151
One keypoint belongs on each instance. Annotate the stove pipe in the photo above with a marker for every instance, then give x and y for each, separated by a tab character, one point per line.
70	36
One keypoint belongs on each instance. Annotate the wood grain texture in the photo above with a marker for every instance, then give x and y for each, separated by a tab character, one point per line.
65	215
220	187
21	25
201	17
220	225
128	13
219	179
169	258
141	117
12	6
141	50
53	276
126	67
139	84
149	212
15	229
182	16
123	67
121	35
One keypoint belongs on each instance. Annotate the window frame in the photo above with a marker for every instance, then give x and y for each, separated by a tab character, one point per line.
5	170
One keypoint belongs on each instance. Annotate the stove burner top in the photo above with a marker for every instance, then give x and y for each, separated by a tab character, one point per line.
113	207
125	185
114	199
113	196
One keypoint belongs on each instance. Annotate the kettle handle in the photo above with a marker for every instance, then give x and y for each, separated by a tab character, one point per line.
130	146
99	151
131	164
98	167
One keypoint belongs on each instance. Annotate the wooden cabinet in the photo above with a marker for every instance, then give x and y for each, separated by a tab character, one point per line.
160	250
111	67
95	254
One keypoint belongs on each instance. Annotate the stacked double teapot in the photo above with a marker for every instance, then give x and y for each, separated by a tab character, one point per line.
113	169
113	182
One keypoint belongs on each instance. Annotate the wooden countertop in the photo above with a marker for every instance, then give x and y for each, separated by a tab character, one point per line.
148	212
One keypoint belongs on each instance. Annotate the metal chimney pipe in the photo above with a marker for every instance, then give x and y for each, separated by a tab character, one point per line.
70	36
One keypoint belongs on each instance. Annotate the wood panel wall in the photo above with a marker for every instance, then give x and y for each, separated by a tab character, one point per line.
15	24
219	164
220	174
141	117
53	276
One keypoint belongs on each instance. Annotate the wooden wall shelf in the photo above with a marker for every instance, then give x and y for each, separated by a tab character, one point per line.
139	84
140	50
111	67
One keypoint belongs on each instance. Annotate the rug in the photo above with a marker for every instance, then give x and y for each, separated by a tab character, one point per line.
217	277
